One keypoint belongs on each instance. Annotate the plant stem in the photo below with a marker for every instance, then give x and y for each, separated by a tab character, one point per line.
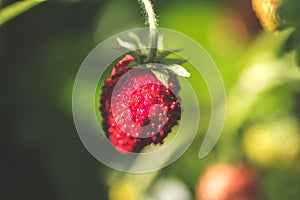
17	8
148	7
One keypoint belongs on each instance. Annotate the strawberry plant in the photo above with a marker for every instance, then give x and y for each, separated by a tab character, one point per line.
142	90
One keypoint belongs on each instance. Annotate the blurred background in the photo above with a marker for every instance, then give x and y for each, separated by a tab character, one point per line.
256	157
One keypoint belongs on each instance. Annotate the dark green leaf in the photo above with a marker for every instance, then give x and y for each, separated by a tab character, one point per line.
290	44
289	13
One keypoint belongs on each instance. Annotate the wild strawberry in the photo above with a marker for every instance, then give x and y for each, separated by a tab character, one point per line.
228	182
139	107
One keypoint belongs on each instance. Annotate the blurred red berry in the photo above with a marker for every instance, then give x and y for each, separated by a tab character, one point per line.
228	182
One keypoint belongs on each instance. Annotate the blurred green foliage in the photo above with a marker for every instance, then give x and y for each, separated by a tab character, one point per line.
289	15
42	49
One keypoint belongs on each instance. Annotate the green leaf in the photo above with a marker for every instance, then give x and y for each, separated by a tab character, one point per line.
178	70
293	40
290	43
162	76
289	13
17	8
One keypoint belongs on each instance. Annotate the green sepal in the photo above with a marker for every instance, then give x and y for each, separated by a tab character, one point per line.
178	70
162	76
133	64
160	42
164	54
141	48
140	52
170	61
127	45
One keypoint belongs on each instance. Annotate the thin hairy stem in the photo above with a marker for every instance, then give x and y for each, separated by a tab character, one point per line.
148	7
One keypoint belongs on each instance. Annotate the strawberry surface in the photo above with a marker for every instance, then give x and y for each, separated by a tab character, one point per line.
137	109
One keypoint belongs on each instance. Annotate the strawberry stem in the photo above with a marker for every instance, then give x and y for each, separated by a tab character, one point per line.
148	7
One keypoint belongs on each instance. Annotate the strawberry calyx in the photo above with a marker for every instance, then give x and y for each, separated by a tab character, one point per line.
159	63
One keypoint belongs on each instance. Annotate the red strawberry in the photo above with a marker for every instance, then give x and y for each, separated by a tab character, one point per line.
134	98
139	101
